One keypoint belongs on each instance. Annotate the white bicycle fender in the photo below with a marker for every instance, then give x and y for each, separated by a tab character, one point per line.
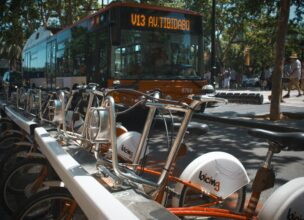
127	144
286	202
218	173
69	120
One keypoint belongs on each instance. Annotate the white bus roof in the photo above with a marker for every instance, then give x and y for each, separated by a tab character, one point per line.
41	34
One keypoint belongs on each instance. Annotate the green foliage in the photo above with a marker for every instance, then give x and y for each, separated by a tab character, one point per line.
239	23
19	19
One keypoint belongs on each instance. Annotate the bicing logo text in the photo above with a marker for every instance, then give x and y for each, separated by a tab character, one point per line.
293	215
209	180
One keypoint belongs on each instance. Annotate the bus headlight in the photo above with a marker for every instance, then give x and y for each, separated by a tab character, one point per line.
168	97
208	89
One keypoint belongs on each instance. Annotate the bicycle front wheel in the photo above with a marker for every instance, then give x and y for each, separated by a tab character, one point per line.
54	203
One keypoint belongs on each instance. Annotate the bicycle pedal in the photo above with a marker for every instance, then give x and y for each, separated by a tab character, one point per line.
107	181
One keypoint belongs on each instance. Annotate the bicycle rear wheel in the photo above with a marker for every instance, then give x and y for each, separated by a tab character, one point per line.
11	157
7	141
54	203
15	186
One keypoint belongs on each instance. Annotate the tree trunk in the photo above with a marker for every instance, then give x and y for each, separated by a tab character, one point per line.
69	13
276	92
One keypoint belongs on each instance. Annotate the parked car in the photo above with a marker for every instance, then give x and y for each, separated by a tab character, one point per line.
1	77
252	81
10	80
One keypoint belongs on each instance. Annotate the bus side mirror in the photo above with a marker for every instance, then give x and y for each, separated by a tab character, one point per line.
116	84
115	29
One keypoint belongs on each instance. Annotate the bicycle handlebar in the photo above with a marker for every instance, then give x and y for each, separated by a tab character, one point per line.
181	106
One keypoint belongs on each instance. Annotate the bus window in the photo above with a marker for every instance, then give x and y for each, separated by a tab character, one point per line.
78	48
155	55
98	56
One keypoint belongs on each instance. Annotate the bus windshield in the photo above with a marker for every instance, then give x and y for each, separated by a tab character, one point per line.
144	54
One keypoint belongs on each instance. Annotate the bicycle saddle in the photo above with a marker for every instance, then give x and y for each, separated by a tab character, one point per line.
292	140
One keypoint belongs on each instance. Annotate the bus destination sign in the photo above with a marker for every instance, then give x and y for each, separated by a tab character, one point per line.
159	22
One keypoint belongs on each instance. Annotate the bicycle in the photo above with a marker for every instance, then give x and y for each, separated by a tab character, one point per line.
281	202
161	188
125	174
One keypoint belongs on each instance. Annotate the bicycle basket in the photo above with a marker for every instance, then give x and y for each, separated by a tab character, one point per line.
34	100
55	111
21	98
97	128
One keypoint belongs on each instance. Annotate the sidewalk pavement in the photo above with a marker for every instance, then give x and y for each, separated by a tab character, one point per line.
254	115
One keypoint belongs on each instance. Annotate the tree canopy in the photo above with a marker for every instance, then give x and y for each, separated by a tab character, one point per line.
19	19
240	24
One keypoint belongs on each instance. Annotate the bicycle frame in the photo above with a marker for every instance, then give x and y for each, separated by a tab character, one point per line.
172	155
164	176
171	178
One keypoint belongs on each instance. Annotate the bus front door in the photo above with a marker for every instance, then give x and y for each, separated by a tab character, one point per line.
51	64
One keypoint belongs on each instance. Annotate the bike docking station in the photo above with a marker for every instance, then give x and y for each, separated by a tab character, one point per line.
76	169
58	161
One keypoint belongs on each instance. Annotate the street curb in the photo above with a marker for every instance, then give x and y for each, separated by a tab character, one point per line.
242	97
295	115
251	123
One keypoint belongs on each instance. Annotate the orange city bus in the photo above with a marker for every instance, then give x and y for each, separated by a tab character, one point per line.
132	45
